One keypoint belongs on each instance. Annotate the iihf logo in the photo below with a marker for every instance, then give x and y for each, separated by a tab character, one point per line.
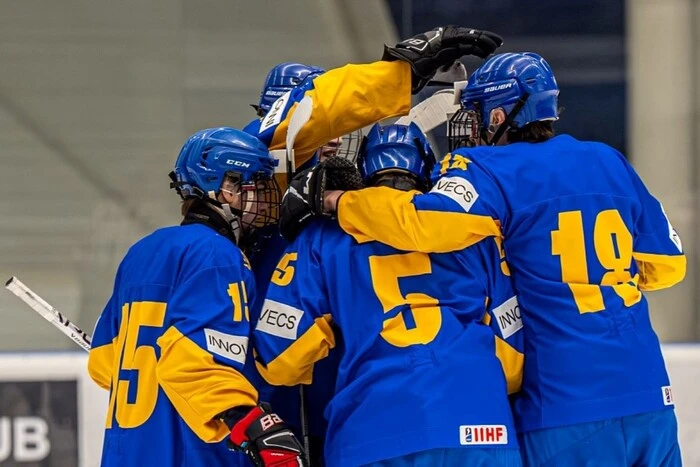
483	434
468	435
668	395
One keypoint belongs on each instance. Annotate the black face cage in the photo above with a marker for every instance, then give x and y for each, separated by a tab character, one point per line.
350	146
260	203
463	129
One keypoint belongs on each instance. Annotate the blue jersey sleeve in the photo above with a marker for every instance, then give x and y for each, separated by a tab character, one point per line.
204	350
657	247
463	207
503	314
294	329
101	359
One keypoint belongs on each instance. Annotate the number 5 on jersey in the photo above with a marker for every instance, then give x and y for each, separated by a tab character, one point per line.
419	324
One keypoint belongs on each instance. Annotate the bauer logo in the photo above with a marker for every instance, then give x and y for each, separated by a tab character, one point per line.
227	345
483	434
508	316
668	395
274	116
279	319
500	87
458	189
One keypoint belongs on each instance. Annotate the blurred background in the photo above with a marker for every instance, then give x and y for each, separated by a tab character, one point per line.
96	98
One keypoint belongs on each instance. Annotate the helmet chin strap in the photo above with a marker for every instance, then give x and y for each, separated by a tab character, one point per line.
507	122
225	211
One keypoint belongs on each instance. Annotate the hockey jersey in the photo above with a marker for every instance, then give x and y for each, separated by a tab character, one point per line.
583	237
285	400
418	368
171	347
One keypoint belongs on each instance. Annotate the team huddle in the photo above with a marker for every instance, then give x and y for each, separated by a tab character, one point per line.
482	307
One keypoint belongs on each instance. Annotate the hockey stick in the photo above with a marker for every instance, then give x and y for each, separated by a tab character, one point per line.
432	112
50	313
437	109
302	114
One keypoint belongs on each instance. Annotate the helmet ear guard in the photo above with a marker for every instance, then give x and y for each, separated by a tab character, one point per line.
508	123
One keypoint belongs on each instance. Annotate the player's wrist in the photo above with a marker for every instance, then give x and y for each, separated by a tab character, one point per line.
330	200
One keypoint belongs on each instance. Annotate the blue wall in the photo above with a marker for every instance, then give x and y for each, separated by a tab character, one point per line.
583	40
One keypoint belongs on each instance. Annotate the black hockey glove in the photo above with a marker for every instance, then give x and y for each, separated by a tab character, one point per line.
439	47
264	437
303	200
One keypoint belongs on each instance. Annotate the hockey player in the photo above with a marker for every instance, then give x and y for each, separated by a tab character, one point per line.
417	360
584	238
344	100
172	342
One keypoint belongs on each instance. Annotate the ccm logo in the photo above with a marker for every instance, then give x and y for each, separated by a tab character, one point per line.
483	434
237	163
269	420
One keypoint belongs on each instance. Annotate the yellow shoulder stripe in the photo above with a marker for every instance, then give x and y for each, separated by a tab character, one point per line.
101	364
390	217
512	362
198	387
295	365
659	271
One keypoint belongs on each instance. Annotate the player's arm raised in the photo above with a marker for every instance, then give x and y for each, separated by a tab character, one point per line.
294	329
348	98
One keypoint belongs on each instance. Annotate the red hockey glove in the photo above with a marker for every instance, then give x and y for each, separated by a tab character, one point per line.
265	438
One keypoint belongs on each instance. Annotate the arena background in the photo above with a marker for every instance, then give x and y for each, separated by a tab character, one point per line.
96	98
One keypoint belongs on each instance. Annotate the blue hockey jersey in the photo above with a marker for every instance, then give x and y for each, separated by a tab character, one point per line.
583	237
171	346
417	358
286	401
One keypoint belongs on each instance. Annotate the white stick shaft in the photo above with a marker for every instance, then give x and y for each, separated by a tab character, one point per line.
302	114
51	314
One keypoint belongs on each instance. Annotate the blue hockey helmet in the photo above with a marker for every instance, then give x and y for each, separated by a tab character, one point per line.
396	148
522	84
232	161
282	78
210	155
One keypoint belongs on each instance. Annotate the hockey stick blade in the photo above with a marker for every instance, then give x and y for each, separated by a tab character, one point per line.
50	313
432	112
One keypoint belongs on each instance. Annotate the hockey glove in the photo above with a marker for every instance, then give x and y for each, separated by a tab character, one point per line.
265	438
440	47
303	200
